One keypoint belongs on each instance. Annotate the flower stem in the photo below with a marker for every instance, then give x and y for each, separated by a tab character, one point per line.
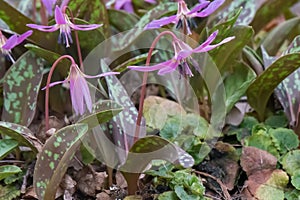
47	88
77	40
144	83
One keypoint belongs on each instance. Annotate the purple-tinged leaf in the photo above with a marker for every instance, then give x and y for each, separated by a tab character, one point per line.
261	89
21	134
20	89
54	159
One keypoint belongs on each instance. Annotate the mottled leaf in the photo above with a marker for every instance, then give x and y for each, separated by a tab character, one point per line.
54	159
20	89
291	162
270	10
261	89
9	192
128	21
155	13
8	170
182	194
280	33
170	195
21	134
6	146
284	139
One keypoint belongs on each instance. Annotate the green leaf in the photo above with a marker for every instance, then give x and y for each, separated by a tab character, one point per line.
237	83
261	89
6	146
292	194
9	192
21	88
296	179
170	195
54	159
280	32
21	134
128	21
277	121
8	170
183	195
102	112
155	13
284	139
291	162
172	128
270	10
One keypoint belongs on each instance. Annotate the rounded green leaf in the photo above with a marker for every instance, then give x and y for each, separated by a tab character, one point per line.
7	170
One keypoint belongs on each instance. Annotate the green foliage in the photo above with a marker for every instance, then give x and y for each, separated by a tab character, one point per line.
21	88
8	170
291	162
9	192
6	146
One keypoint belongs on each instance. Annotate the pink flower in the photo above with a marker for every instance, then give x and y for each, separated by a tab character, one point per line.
64	24
182	52
79	89
7	44
49	4
184	16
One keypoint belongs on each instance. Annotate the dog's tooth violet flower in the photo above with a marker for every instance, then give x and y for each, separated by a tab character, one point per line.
184	16
65	26
182	52
79	89
7	44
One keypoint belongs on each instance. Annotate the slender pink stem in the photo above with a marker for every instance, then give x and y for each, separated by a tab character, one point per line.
145	78
77	40
47	87
43	14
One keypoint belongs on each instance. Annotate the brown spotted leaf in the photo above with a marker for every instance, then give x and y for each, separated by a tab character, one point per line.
261	89
20	89
54	159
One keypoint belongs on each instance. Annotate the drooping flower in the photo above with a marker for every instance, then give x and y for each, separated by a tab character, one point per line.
7	44
64	24
79	89
182	52
184	16
127	5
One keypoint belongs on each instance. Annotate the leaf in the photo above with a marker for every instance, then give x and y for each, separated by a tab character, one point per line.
155	13
284	139
292	194
9	192
128	21
54	159
261	89
277	121
280	33
183	195
6	146
8	170
21	134
170	195
237	83
102	112
20	89
270	10
296	179
291	162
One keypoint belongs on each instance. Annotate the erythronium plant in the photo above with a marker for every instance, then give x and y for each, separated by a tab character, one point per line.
49	4
64	25
184	16
182	52
79	90
6	45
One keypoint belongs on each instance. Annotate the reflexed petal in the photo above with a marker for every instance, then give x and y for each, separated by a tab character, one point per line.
161	22
151	1
24	36
128	7
55	83
184	54
198	7
59	16
48	5
120	3
77	95
151	68
213	6
85	27
100	75
44	28
210	47
16	40
86	93
169	68
208	41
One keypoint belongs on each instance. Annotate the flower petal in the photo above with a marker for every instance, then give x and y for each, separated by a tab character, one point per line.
161	22
198	7
85	27
16	40
168	68
59	16
208	41
210	47
77	95
55	83
48	5
101	75
86	94
151	1
43	28
24	36
213	6
158	66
